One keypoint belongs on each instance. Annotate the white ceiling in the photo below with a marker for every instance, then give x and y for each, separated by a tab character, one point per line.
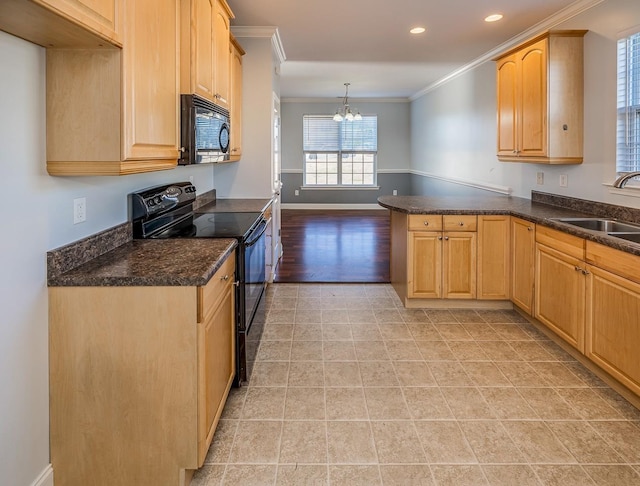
367	42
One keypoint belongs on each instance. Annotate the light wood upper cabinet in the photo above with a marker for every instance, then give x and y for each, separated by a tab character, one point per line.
494	264
540	100
236	100
523	245
64	23
205	57
115	112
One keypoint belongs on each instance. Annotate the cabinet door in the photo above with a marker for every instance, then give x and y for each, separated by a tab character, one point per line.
494	274
459	265
203	56
221	29
506	77
523	246
425	265
217	362
100	16
236	101
532	122
560	294
150	80
613	326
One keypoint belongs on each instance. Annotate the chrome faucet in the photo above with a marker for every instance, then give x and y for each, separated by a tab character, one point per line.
624	178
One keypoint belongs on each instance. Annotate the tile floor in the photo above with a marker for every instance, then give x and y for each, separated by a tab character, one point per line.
350	388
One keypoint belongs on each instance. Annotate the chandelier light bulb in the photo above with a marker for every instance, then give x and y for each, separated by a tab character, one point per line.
344	112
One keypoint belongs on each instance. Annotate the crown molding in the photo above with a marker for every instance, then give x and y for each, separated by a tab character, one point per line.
563	15
351	98
265	32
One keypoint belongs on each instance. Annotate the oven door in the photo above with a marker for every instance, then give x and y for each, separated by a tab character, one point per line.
254	270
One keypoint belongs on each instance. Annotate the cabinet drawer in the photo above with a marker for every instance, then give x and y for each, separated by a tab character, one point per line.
616	261
452	222
425	222
210	294
569	244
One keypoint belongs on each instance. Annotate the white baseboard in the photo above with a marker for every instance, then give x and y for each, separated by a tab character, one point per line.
330	206
45	478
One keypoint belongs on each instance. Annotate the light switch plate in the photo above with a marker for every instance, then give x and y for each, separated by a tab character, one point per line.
564	180
540	178
79	210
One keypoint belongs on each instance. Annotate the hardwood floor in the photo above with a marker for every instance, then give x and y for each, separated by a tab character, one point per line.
334	246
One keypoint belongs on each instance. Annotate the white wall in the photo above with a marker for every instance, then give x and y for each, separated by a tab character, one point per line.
37	217
454	126
251	176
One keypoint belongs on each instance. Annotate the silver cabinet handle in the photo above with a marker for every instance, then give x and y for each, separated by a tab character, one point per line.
225	278
529	228
440	238
460	223
426	223
446	238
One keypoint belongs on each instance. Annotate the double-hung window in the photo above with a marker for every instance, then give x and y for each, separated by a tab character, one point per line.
628	126
340	154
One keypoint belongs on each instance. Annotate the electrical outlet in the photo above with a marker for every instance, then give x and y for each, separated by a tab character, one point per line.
540	178
79	210
564	180
296	192
395	192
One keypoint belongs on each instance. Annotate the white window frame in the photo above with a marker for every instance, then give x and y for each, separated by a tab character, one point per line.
628	102
336	155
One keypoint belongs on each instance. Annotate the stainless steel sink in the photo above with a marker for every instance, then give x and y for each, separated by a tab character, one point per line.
634	237
602	224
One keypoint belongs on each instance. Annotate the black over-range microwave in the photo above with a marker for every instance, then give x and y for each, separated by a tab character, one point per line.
204	131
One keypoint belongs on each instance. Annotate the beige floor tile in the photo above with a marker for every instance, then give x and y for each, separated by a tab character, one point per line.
256	442
346	404
354	475
361	316
306	373
208	475
387	316
336	332
513	474
613	475
345	373
435	350
274	351
424	331
449	373
614	399
557	352
406	475
382	302
589	404
557	374
308	315
427	403
264	403
585	375
397	442
548	404
235	402
386	404
440	315
395	331
403	351
481	332
624	437
584	443
485	373
467	403
303	442
511	332
250	475
493	315
306	351
371	350
307	332
467	351
508	404
500	351
537	443
302	474
531	351
334	316
466	315
458	475
444	443
222	441
378	373
277	332
453	332
281	316
350	443
304	404
269	373
365	332
338	351
491	442
283	303
562	475
521	374
413	315
414	373
309	304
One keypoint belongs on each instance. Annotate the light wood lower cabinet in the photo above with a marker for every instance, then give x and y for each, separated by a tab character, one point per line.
138	379
494	265
523	251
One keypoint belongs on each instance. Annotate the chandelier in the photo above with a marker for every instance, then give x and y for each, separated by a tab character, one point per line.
345	113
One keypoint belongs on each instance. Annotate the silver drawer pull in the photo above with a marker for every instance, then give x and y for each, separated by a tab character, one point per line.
426	223
460	223
225	278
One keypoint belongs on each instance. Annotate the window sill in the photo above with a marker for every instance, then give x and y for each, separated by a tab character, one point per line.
340	188
630	190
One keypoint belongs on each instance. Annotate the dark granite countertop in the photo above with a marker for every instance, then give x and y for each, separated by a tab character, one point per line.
534	210
235	206
174	262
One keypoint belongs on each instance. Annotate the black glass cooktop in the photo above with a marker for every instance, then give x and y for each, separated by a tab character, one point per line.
213	225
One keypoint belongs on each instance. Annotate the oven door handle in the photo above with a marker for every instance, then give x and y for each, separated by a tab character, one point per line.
260	231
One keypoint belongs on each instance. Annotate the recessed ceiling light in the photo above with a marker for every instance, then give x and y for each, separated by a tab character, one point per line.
493	18
417	30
